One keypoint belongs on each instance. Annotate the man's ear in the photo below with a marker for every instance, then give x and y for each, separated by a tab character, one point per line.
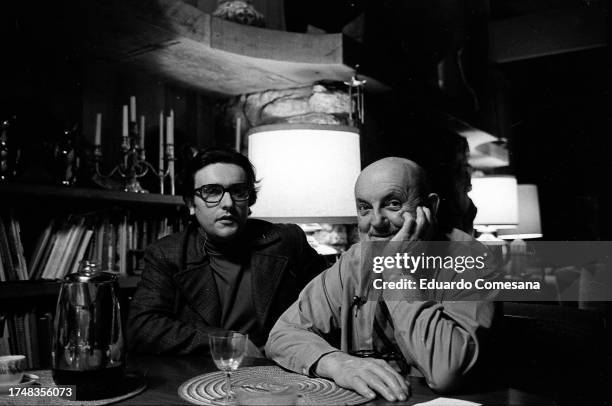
433	201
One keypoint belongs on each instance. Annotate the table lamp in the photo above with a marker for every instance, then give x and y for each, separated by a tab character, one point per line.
307	173
496	198
529	224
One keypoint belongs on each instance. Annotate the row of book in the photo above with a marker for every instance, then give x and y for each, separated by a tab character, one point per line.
29	334
115	240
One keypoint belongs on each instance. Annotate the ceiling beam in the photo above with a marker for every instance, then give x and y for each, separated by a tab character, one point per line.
184	44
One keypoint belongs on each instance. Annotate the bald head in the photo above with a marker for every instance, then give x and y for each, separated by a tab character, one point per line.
386	189
395	170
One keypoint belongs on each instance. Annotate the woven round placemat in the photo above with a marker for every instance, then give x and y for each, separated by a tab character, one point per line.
201	389
134	384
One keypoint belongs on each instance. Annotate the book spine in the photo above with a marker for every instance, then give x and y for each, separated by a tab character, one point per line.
69	249
45	339
27	340
83	245
12	334
100	243
5	254
20	334
34	340
15	232
2	272
5	347
56	252
39	249
122	246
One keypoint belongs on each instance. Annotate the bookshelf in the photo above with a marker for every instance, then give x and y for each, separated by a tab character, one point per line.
40	223
112	227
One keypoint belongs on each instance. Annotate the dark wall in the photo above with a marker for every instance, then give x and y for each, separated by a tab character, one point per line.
561	128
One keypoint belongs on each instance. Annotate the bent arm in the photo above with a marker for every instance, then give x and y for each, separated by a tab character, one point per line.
441	338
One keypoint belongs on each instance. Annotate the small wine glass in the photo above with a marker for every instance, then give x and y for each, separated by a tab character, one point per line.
227	350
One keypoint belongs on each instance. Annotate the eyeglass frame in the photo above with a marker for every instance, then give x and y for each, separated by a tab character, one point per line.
198	192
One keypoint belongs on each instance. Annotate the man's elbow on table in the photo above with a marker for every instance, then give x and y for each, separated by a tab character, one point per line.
445	381
274	344
285	347
452	369
269	348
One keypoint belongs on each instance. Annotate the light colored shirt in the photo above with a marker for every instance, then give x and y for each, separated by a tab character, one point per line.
439	338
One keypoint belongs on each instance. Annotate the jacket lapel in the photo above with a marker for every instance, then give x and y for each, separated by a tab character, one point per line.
266	268
267	271
198	286
196	281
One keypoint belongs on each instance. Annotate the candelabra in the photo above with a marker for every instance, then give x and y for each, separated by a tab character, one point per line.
135	166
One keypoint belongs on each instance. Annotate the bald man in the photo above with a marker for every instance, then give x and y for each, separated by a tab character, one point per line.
329	332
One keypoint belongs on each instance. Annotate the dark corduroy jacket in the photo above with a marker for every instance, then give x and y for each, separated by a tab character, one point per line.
176	304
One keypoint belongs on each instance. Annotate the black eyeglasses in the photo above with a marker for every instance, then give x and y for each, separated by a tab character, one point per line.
213	193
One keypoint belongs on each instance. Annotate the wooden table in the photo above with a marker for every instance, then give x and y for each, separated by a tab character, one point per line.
165	374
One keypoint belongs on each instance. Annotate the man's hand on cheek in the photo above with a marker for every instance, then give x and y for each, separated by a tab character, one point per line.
417	229
406	223
426	224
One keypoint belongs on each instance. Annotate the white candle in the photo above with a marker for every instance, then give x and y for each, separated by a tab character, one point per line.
98	138
238	141
170	149
161	141
142	132
124	127
132	109
170	130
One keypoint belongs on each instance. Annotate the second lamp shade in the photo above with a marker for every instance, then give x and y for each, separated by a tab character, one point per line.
496	199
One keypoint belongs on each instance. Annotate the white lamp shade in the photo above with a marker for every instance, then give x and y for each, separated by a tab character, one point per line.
307	172
496	198
529	224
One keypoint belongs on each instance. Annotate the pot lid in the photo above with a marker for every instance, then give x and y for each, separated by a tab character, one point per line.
88	272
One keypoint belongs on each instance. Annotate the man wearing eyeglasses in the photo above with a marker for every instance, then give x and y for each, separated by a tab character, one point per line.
225	271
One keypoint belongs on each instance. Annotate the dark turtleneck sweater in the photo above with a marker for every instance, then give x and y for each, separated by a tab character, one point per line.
232	274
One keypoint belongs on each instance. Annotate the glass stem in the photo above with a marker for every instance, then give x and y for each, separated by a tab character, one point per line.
228	383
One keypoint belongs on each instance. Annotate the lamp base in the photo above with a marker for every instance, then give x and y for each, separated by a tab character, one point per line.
488	238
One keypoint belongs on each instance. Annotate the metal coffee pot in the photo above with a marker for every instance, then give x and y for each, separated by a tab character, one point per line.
88	345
